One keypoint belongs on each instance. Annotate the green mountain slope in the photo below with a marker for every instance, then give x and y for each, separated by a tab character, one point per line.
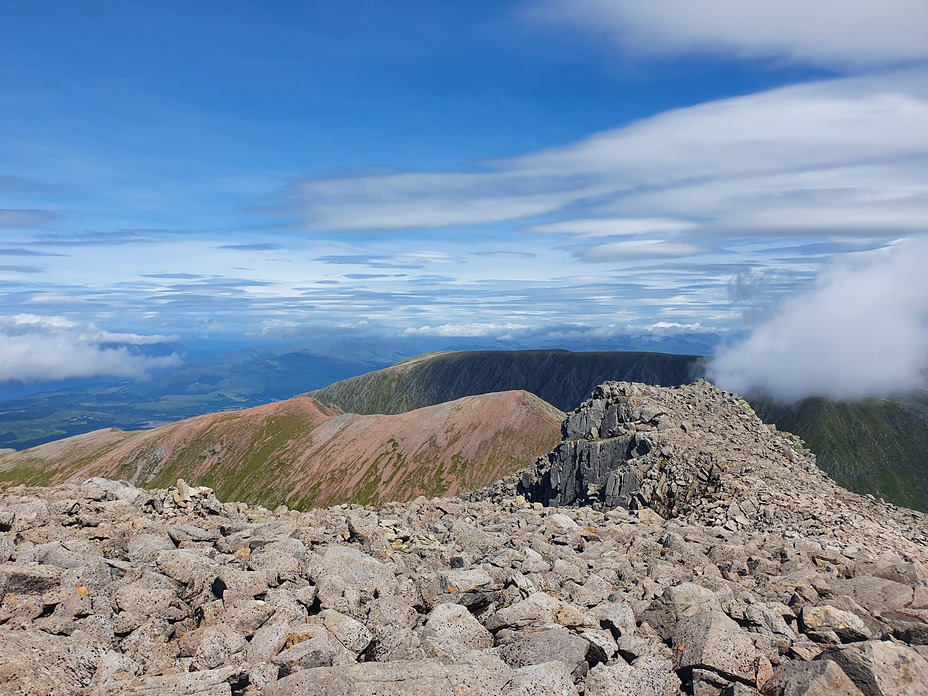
560	377
877	446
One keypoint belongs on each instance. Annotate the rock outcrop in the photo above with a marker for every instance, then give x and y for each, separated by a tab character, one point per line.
763	578
631	445
691	451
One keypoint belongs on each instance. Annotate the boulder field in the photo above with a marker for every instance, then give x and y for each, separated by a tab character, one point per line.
671	544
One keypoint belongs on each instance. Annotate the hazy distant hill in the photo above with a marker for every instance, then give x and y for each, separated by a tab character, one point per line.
560	377
877	446
304	454
234	381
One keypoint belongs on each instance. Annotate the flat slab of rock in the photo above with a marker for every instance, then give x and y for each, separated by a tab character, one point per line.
554	644
477	674
217	682
819	622
710	639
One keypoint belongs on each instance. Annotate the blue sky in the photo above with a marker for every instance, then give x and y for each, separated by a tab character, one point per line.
576	173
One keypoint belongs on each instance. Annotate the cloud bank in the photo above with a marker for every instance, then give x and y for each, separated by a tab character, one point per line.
643	223
839	157
830	33
36	348
861	330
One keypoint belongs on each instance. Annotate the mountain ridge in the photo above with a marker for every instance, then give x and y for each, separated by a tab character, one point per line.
888	458
303	453
568	377
245	378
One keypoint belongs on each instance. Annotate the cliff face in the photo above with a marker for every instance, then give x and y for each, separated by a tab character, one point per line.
304	454
763	577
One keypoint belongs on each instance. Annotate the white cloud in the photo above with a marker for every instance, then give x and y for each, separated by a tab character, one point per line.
414	199
611	227
589	334
636	250
839	157
278	328
862	329
831	33
673	327
35	348
467	330
819	125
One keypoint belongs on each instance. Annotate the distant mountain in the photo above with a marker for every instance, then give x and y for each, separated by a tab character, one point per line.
305	454
877	446
233	381
560	377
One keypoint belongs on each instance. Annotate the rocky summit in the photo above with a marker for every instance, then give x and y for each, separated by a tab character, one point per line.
671	544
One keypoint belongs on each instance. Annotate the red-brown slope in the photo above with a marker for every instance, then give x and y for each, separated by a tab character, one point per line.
304	454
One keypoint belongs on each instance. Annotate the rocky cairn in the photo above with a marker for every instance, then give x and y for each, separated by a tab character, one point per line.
671	544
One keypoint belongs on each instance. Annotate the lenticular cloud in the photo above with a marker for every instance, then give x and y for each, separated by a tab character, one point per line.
861	330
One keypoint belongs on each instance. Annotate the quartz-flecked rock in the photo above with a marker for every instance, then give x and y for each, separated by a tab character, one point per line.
546	679
452	628
345	573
